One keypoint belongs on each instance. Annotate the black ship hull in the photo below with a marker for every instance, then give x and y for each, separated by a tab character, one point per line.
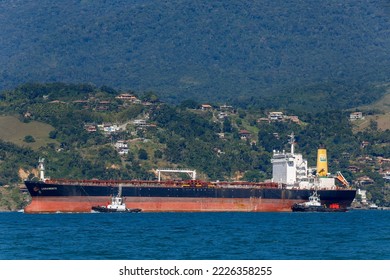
80	196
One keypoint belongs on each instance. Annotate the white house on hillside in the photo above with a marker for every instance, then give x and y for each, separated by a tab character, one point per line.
356	116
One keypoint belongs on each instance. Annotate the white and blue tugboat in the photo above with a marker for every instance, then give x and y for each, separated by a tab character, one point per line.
314	205
117	205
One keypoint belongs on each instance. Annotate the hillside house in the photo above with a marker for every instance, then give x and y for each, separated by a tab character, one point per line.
122	147
90	127
275	116
226	108
364	144
356	116
259	120
386	175
353	168
366	160
140	123
120	144
108	128
382	160
128	97
364	181
206	107
221	135
294	119
222	115
244	134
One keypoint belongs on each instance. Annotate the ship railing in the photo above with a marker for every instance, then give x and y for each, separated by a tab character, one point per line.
169	183
247	184
105	182
145	183
328	188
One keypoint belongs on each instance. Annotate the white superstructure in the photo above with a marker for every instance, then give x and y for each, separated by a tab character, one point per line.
117	203
291	169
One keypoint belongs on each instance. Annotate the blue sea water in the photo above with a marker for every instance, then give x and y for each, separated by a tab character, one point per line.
354	235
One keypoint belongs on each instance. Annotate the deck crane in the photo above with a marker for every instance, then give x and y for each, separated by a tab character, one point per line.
342	179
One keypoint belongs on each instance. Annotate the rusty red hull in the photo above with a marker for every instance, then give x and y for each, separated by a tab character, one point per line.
152	196
84	204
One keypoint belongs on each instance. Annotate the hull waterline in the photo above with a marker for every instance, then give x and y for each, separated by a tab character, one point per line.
54	197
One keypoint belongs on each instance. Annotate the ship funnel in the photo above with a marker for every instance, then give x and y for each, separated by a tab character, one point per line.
322	163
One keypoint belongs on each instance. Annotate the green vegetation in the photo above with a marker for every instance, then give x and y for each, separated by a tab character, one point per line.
11	199
239	50
31	134
221	143
13	158
29	139
377	113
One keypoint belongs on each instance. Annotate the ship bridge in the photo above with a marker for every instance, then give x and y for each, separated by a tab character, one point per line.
289	168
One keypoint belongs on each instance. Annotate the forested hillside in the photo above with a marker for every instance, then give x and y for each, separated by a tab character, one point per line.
243	51
90	126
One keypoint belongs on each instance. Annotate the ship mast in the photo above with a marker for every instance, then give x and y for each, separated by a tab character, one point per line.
41	168
120	190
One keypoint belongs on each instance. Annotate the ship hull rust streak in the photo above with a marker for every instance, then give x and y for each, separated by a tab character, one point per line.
81	204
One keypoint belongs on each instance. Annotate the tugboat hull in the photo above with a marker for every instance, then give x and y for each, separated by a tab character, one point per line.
103	209
322	208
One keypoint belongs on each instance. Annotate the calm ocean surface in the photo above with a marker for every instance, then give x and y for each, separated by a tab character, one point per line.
354	235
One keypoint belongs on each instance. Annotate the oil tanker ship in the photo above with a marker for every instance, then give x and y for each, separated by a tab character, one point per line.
292	183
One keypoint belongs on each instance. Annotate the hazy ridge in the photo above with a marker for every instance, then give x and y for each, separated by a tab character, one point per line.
212	50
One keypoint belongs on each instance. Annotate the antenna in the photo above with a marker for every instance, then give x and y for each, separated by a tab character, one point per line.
292	140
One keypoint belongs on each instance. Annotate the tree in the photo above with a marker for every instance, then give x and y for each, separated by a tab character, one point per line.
29	139
254	176
189	103
149	97
373	125
142	154
227	125
53	134
158	154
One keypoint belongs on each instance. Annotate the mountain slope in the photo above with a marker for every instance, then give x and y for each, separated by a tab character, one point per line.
195	49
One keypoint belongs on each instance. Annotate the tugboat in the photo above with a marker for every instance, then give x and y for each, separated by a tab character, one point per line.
117	205
314	205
